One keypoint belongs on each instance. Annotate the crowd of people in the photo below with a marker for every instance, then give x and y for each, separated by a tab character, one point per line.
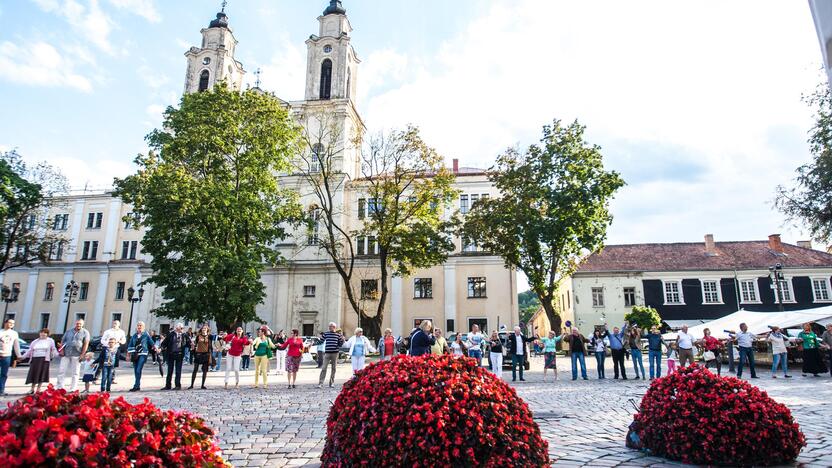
206	350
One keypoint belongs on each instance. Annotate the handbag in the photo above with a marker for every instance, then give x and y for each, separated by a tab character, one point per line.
709	356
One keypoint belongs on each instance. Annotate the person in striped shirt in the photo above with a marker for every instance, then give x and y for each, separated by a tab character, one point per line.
332	344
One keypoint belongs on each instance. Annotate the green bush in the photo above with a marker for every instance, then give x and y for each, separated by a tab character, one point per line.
644	316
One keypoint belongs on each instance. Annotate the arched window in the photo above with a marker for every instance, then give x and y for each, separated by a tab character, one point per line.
326	79
349	81
203	80
315	161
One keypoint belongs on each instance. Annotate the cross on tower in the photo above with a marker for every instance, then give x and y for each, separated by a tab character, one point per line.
257	81
224	4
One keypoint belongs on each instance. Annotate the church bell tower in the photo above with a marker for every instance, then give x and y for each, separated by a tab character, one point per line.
214	60
332	65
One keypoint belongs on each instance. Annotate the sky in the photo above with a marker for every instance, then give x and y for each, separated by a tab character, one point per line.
696	104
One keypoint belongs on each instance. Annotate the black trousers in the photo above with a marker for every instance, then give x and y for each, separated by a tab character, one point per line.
175	366
204	360
618	362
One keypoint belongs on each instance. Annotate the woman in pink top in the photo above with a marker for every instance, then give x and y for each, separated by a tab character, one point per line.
295	346
41	352
235	344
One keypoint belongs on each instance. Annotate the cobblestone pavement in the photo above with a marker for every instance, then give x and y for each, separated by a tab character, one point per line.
585	422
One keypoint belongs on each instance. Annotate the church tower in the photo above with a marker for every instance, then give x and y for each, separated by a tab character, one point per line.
332	65
214	60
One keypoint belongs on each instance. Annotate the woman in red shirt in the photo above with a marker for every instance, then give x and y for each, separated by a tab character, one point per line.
295	345
234	344
387	345
713	346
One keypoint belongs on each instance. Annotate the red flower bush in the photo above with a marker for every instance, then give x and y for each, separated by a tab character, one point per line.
700	418
55	428
431	411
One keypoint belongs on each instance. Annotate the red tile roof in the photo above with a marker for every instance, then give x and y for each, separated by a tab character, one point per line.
745	255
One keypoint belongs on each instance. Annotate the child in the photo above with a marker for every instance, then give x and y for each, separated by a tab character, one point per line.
88	366
672	357
108	361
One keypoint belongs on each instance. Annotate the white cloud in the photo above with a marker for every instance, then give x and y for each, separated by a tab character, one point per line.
382	69
144	8
285	74
89	20
40	64
720	87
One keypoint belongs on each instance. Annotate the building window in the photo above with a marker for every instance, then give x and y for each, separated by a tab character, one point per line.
748	291
309	291
80	317
116	316
673	292
61	222
476	286
710	292
786	289
326	79
90	250
129	221
449	326
44	321
359	246
597	297
315	158
128	250
203	80
369	289
468	245
84	291
56	251
423	288
372	246
820	289
29	224
373	206
463	204
49	293
120	291
94	220
629	297
362	207
314	229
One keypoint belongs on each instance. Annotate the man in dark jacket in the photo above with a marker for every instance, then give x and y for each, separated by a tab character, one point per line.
422	339
516	348
173	349
577	351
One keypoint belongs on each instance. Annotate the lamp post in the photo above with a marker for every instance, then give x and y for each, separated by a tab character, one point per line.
9	295
70	293
775	275
133	300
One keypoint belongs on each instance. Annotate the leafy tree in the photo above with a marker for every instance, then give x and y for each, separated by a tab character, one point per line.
405	188
26	198
208	194
528	303
553	208
643	316
810	201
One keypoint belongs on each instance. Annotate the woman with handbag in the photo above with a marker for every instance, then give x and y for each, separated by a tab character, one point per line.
235	344
293	347
201	349
712	353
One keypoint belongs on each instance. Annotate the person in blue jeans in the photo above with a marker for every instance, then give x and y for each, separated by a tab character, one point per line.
108	361
617	343
745	341
474	344
634	343
599	347
9	346
654	351
577	350
138	348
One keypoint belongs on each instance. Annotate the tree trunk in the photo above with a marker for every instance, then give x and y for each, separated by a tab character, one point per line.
554	317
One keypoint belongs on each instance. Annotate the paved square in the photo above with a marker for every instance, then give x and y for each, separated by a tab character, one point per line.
585	422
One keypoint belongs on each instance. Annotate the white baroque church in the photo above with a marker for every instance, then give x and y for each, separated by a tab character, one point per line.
104	255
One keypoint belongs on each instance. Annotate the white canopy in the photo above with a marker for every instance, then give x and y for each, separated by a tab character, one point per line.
758	322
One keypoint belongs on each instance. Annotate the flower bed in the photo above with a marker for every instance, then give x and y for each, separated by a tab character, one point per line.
697	417
431	411
55	428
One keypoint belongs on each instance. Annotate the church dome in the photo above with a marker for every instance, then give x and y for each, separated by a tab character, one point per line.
335	8
220	22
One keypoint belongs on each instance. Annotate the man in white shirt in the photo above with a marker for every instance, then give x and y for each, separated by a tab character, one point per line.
684	346
116	333
9	344
475	339
745	341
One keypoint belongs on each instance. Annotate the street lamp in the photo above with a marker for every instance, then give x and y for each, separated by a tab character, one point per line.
775	275
70	293
9	295
133	300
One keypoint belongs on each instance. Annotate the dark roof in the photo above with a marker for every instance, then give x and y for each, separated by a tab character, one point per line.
335	7
744	255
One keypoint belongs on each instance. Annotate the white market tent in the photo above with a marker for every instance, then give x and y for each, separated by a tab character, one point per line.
758	322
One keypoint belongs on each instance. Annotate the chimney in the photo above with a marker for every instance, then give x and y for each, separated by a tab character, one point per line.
456	165
807	244
774	243
710	247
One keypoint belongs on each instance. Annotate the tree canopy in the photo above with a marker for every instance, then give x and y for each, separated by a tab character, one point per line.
553	209
643	316
208	194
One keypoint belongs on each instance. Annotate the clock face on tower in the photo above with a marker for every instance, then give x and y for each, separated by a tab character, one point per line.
327	49
206	60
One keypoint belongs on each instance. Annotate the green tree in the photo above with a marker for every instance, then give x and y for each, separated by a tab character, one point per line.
405	189
208	194
26	198
528	303
553	208
809	202
643	316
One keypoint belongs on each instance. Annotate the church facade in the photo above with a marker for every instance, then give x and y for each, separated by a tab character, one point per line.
104	255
